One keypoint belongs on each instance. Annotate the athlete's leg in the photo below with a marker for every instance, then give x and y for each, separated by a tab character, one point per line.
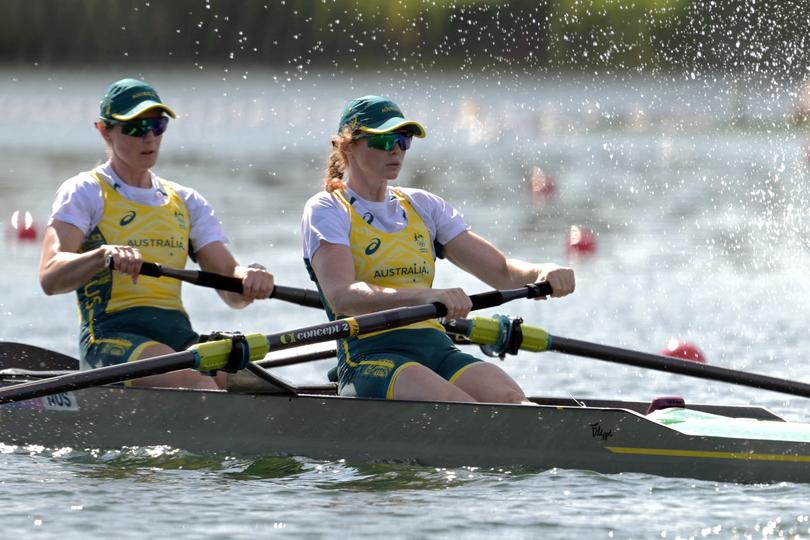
184	378
417	382
487	382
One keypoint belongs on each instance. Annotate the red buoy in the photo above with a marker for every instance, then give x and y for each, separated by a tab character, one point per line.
684	350
22	225
580	241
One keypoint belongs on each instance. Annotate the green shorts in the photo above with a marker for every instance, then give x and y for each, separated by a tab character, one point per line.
369	367
121	336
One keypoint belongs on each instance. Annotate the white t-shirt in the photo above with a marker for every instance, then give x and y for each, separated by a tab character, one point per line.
79	202
327	218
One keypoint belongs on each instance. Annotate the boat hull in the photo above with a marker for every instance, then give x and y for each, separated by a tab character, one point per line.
604	439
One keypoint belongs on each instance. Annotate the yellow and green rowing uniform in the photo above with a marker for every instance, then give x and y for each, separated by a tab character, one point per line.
120	318
368	366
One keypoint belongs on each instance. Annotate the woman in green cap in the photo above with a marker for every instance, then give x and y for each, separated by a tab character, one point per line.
370	247
122	213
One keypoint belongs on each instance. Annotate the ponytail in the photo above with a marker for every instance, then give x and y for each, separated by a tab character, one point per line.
336	164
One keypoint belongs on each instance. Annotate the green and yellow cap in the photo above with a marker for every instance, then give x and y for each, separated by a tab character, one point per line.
375	114
128	98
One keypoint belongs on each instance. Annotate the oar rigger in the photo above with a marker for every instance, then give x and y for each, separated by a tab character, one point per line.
500	335
510	337
239	357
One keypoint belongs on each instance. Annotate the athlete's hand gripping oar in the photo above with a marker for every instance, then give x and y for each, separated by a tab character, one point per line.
235	353
502	336
304	297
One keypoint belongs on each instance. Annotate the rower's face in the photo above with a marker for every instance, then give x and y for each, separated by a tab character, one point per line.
376	163
137	152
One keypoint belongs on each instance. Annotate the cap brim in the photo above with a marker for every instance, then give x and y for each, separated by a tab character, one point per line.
397	124
143	107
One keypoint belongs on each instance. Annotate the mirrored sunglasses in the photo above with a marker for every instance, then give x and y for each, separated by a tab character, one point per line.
140	127
388	141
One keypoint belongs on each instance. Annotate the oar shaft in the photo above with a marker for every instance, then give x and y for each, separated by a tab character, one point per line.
311	298
97	377
304	297
353	326
492	331
675	365
297	359
391	318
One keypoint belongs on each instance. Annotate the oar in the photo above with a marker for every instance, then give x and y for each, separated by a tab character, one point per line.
304	297
502	337
297	359
24	356
210	356
14	355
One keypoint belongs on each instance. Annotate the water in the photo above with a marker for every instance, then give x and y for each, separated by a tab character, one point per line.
696	189
105	493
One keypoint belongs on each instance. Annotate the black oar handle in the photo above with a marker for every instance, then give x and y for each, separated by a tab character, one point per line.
304	297
496	298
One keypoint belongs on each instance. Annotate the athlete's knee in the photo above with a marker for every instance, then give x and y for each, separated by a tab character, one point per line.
507	395
154	349
489	383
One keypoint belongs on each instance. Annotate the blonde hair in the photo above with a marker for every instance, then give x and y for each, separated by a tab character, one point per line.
102	125
336	165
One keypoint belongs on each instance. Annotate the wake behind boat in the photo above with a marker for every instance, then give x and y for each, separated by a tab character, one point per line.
257	418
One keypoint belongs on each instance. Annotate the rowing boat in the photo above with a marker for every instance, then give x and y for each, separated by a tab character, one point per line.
261	414
711	442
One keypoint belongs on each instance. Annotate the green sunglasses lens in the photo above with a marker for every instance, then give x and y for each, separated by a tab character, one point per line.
388	141
142	126
383	141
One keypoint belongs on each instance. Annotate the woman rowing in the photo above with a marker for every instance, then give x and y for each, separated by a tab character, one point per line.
120	214
370	247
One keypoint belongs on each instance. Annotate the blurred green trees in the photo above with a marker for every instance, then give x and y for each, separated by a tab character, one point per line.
410	34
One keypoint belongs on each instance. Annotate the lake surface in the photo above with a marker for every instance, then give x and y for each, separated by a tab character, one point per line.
695	188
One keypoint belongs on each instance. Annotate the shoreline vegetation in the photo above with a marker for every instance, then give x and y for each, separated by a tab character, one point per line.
502	38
